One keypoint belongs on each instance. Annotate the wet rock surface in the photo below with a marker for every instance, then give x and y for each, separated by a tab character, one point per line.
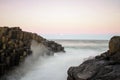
15	47
103	67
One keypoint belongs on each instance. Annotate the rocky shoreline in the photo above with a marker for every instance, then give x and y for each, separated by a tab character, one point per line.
103	67
15	47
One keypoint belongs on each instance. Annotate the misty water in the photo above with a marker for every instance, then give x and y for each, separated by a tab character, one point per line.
42	67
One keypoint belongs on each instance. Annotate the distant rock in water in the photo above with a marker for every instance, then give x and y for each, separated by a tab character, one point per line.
103	67
15	47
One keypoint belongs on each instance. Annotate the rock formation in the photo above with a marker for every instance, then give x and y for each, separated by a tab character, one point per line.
15	47
103	67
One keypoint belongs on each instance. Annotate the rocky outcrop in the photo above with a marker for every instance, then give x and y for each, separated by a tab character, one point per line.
103	67
53	46
15	47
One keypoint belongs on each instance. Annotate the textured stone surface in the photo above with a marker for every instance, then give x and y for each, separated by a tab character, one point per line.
103	67
114	44
15	46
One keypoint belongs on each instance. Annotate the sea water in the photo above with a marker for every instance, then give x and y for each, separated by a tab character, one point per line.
55	67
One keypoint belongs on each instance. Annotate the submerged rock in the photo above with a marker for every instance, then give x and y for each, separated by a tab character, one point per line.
103	67
15	46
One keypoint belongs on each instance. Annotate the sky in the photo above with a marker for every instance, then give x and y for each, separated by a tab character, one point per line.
62	16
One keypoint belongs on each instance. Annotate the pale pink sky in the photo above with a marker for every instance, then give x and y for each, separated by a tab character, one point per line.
62	16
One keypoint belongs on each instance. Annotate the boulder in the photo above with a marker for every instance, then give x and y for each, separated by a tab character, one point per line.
114	44
103	67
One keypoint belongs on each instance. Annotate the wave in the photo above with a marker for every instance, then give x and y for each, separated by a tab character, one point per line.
39	51
43	67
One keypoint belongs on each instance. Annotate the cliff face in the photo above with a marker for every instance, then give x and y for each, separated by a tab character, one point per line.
15	47
103	67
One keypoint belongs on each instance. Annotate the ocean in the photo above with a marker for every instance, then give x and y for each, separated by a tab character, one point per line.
39	67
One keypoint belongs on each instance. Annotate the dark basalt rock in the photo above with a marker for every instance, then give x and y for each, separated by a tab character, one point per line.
53	46
15	47
103	67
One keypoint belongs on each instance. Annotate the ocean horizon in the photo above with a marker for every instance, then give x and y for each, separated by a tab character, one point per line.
78	36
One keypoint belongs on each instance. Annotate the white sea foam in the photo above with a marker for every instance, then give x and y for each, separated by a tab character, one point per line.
38	50
53	67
